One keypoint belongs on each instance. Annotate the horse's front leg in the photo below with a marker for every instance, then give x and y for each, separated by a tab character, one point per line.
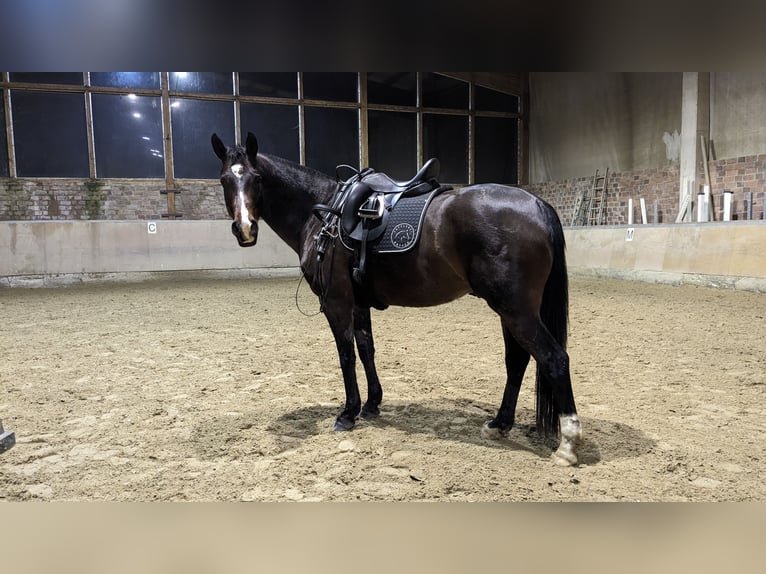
366	347
342	325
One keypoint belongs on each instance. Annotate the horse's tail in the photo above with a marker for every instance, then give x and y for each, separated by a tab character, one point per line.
554	313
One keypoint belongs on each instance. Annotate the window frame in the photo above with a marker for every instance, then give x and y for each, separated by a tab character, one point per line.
362	106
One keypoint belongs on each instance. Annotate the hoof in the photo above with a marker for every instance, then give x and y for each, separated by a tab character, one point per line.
562	458
493	433
369	414
571	439
343	425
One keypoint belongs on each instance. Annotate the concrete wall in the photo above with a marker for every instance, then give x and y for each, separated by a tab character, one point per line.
38	253
58	252
714	254
737	114
630	121
580	121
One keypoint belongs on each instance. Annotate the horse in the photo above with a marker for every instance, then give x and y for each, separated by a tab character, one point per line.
496	242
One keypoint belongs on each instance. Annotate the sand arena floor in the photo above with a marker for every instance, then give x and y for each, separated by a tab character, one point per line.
223	390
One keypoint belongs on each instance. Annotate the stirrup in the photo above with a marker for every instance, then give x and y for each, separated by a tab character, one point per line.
372	208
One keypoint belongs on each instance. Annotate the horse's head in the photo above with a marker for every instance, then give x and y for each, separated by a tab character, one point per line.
241	187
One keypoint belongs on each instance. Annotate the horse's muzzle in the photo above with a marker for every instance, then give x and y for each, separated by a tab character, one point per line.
236	230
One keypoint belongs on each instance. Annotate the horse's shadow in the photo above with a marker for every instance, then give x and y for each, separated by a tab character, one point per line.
461	420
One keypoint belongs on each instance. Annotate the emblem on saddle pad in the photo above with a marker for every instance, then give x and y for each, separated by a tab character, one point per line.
377	215
403	235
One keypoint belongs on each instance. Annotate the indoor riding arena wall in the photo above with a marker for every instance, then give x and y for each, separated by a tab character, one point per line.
39	253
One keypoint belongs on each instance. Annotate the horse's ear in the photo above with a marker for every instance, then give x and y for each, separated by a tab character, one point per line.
251	145
218	147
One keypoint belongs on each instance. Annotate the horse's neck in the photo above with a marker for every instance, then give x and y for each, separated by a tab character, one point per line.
289	194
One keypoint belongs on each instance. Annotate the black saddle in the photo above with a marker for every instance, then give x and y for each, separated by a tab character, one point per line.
381	182
372	197
361	207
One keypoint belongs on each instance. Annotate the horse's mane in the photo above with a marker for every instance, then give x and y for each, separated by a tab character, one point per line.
295	176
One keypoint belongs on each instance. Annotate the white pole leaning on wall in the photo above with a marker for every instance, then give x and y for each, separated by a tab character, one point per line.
702	209
630	211
727	204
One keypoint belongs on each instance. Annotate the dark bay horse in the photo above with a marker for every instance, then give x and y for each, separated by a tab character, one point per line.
499	243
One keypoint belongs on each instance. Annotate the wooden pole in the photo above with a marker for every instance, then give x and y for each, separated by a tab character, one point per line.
708	186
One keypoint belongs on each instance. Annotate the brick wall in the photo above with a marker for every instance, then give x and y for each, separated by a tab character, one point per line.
661	185
110	199
739	175
126	199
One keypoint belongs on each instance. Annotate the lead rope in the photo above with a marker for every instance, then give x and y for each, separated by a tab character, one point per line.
297	305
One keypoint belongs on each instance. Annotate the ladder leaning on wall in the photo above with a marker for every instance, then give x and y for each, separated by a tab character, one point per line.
589	206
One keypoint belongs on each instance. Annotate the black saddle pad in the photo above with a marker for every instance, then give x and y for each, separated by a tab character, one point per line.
403	225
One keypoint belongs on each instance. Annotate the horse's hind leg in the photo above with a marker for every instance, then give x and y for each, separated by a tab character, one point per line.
366	348
516	361
553	363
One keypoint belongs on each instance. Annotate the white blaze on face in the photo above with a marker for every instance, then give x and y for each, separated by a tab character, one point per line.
237	169
244	219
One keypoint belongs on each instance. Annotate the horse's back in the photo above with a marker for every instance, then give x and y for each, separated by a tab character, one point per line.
499	208
471	236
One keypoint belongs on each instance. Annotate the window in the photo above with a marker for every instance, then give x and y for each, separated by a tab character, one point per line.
269	84
127	133
71	78
408	117
393	143
332	138
275	126
4	172
135	80
192	123
336	87
497	150
201	82
49	133
493	101
392	88
446	137
443	92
